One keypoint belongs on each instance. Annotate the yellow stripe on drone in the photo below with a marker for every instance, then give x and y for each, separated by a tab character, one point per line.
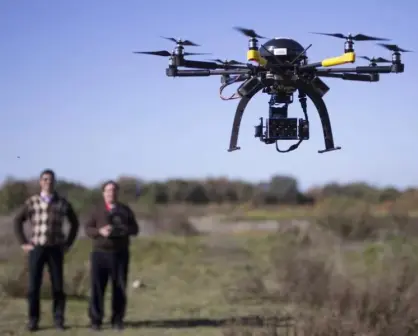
254	55
349	57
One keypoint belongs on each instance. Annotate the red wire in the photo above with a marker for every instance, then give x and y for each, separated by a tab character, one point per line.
233	96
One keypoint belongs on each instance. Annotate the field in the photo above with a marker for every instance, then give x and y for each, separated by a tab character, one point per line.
355	273
186	284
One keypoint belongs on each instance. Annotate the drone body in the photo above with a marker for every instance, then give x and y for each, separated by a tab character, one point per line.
281	69
285	48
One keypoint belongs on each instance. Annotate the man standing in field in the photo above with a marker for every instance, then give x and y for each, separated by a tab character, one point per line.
110	226
46	212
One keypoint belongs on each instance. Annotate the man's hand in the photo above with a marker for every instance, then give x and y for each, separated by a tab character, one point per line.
105	230
27	247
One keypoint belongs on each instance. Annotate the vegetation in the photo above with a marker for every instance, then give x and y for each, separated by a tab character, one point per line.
350	270
279	190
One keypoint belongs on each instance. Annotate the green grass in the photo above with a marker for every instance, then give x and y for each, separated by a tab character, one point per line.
287	213
184	279
271	213
197	280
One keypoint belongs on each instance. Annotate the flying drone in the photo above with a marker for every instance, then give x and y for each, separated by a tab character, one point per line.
279	68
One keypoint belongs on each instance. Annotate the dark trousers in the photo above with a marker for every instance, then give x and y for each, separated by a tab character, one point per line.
53	257
105	265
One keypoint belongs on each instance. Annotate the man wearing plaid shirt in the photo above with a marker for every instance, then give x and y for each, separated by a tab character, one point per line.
46	212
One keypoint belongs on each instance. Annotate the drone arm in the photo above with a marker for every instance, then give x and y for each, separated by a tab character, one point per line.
208	65
349	57
254	55
174	72
358	70
351	76
199	64
396	68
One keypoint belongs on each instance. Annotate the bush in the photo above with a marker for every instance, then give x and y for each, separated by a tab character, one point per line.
171	222
14	283
385	304
332	293
356	220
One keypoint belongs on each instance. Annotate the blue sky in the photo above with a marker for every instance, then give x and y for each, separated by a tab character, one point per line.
73	97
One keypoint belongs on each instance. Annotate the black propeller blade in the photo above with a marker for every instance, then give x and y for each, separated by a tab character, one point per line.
249	32
226	62
376	60
393	47
165	53
181	42
358	37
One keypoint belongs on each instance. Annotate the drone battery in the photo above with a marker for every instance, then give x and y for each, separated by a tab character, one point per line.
320	86
282	128
249	87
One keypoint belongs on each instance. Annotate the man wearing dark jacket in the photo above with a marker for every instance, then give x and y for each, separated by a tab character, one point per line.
46	212
110	226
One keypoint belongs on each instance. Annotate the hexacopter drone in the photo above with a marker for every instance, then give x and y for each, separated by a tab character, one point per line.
281	69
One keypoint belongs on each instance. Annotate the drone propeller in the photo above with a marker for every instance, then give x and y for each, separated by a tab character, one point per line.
393	47
376	60
226	62
358	37
165	53
181	42
249	32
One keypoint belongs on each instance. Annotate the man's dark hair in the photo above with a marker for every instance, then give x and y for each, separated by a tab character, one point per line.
112	182
49	172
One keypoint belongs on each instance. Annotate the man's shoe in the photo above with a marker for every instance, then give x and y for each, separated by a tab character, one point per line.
59	325
95	327
118	326
33	326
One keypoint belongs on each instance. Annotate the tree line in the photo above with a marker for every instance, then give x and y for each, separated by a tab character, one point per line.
277	190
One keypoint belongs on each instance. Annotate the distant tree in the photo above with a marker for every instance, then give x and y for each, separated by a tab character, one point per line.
389	194
278	190
13	194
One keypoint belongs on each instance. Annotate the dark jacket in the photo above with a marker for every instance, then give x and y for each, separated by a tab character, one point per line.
123	223
46	221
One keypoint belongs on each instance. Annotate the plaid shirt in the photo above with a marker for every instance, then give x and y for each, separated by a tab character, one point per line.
46	218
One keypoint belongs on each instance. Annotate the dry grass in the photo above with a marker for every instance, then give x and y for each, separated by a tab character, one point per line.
335	277
339	287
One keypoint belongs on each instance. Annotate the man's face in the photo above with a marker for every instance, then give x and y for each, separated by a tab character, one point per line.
110	193
47	183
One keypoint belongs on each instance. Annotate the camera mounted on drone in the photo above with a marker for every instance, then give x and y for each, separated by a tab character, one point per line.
280	68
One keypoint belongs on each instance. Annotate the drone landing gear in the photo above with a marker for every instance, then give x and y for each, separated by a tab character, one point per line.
316	99
233	144
329	150
323	115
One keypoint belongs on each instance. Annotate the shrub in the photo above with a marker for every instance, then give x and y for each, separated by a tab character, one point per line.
333	299
331	293
355	220
171	222
382	306
15	282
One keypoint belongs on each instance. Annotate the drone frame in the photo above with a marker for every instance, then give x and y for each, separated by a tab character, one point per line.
242	73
